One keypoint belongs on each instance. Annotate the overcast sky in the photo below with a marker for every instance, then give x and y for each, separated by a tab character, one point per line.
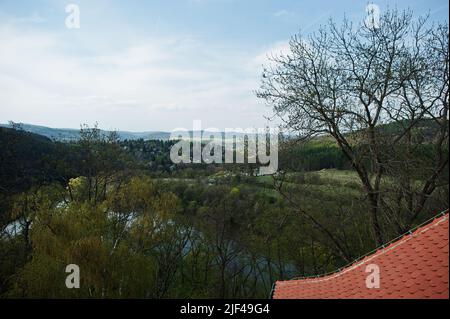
153	65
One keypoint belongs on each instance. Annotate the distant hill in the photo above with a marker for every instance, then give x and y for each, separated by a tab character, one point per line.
26	159
66	134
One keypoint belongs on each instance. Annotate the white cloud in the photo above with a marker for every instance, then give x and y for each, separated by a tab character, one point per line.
274	50
33	18
283	13
151	84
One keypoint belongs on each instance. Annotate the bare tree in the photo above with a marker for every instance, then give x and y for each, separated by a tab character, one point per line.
382	93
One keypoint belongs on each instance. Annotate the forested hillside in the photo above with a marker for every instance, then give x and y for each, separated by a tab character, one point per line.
139	226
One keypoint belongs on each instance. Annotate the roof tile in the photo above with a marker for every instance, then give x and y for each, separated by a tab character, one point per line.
415	266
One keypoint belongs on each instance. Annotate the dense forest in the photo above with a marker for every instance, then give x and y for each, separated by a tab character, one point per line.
139	226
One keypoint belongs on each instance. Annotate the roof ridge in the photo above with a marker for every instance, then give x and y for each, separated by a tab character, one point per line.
444	215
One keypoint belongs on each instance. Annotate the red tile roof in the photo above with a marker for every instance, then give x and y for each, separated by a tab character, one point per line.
415	266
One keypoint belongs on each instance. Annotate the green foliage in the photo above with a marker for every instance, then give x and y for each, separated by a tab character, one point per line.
313	155
140	231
